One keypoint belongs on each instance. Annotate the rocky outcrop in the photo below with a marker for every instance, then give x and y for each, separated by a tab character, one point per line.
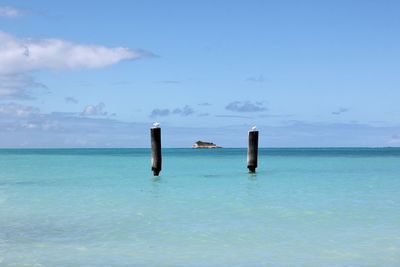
202	144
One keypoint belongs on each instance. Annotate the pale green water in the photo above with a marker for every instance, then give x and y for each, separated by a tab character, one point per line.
304	207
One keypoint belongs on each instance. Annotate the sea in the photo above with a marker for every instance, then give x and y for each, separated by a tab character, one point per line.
103	207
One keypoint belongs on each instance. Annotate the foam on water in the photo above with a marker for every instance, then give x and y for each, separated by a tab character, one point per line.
304	207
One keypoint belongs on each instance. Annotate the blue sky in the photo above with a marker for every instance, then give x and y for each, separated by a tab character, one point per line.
99	73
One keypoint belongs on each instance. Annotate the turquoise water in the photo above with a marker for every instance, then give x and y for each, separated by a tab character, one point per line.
102	207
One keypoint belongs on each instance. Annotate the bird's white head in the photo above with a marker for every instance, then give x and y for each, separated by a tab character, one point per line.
156	125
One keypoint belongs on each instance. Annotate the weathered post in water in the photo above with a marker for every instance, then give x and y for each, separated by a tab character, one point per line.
252	150
155	132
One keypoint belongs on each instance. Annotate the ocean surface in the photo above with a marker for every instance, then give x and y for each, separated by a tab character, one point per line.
103	207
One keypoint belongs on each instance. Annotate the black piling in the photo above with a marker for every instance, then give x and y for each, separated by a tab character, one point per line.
155	150
252	151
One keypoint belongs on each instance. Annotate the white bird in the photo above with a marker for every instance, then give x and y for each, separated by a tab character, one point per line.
156	124
254	128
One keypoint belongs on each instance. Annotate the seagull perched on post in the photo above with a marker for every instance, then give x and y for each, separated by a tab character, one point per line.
156	125
254	128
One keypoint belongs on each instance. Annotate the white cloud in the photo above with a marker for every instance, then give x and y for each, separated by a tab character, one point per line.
159	112
10	12
21	56
185	111
395	140
17	85
24	126
24	54
28	127
97	110
71	100
340	111
17	110
245	106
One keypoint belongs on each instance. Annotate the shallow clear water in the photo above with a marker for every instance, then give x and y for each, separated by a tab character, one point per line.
102	207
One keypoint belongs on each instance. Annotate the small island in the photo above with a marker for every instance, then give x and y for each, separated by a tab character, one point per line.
202	144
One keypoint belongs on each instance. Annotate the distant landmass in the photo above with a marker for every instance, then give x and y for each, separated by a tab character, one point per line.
202	144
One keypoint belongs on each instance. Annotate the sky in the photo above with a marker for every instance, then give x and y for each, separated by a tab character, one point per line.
99	73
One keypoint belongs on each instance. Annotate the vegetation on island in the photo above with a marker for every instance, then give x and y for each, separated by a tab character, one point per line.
202	144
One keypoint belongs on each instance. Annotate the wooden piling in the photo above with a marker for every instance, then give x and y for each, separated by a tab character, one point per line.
155	150
252	151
